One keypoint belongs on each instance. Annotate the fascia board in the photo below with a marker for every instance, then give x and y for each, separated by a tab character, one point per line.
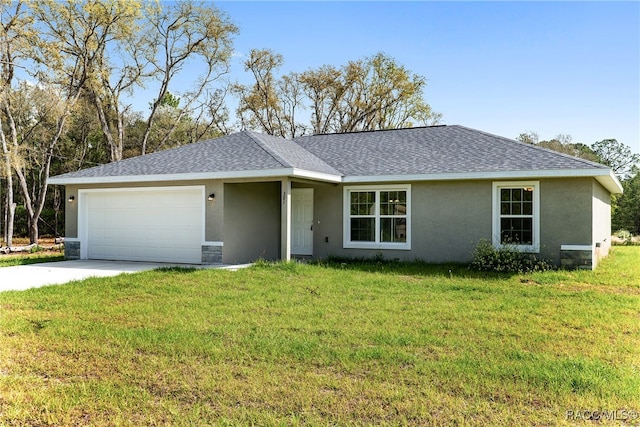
318	176
604	176
172	177
271	173
610	182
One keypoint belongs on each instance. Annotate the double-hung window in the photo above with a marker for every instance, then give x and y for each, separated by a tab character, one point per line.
516	215
377	217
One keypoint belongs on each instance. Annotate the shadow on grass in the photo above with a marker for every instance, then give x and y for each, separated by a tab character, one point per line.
179	270
393	266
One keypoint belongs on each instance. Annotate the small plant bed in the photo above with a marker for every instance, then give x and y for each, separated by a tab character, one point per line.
369	343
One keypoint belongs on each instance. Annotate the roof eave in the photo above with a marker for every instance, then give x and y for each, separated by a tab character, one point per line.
610	182
317	176
122	179
603	176
257	174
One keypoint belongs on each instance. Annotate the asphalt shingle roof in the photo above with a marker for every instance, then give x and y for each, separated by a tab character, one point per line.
242	151
290	154
414	151
433	150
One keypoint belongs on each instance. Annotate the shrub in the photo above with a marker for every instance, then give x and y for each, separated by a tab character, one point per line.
506	259
36	248
624	237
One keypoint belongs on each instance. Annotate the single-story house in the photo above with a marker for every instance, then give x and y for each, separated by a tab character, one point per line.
429	193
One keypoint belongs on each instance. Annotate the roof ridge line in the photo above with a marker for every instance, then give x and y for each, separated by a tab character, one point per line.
370	131
267	150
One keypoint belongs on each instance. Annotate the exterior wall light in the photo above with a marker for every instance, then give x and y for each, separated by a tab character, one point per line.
211	197
71	199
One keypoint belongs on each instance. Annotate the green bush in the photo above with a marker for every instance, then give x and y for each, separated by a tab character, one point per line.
36	249
506	259
625	236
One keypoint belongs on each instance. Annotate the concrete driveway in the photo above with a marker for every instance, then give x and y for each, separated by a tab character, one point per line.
21	277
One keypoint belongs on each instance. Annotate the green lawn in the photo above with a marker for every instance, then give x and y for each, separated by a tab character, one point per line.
293	344
32	258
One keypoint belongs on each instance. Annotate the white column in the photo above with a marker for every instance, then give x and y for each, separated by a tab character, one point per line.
285	220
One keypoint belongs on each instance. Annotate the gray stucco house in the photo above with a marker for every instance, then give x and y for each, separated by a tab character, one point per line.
429	193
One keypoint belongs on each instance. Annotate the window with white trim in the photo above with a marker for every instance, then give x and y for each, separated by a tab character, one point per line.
377	217
516	215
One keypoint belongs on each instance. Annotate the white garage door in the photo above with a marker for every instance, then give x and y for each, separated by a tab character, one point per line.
161	225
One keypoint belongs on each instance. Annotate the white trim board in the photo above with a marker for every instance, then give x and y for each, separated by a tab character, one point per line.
271	173
212	243
576	247
603	176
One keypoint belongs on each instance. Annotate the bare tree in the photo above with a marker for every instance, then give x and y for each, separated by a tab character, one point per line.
15	24
87	34
187	35
122	45
36	113
268	104
325	89
368	94
379	93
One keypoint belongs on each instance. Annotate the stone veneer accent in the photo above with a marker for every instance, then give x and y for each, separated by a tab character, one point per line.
71	249
577	258
212	254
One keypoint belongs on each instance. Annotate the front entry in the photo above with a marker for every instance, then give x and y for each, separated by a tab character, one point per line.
302	221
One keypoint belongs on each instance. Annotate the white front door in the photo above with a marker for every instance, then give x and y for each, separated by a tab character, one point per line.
302	221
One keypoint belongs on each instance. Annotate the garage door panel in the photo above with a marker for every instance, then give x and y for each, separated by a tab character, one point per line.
163	225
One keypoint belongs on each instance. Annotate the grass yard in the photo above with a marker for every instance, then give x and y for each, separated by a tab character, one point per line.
294	344
31	258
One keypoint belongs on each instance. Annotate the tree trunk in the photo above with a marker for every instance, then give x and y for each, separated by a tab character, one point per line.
11	213
11	206
34	208
114	146
33	231
56	211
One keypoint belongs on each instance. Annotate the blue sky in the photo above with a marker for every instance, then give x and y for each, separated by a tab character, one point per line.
502	67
